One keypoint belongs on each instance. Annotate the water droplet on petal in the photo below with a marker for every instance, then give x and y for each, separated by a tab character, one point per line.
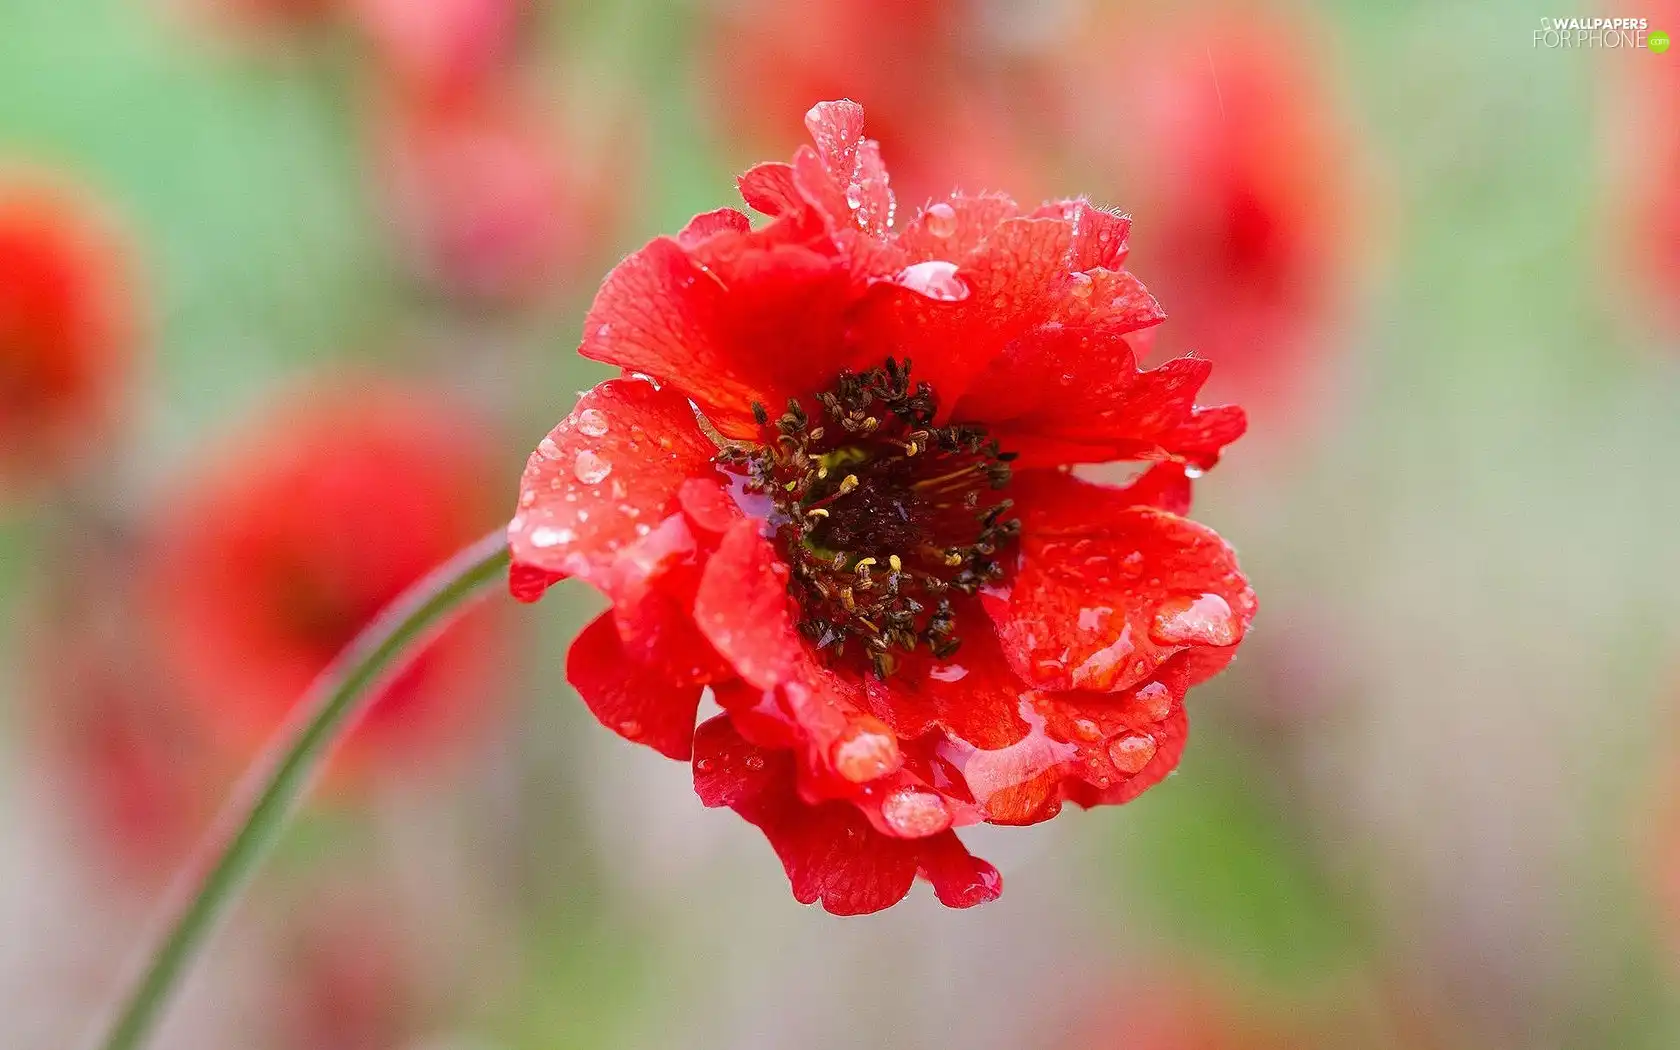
1086	729
1080	288
936	279
1130	753
915	813
630	728
1203	620
942	220
703	765
547	449
590	468
854	196
755	761
1154	701
863	754
548	536
592	421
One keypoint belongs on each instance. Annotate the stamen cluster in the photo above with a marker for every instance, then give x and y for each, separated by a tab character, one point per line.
880	514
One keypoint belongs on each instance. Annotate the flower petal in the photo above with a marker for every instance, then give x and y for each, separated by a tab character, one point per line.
758	320
1072	395
599	491
831	853
742	608
1104	591
628	696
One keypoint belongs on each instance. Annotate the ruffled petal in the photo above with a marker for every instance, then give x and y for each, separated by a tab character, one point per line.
1104	591
974	696
1009	285
630	697
757	319
1100	236
768	188
598	498
830	851
742	608
1075	395
703	226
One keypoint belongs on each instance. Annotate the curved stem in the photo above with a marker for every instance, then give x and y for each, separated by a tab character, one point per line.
268	795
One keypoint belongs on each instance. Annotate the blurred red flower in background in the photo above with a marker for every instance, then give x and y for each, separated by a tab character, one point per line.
1218	125
898	647
1184	1012
140	773
349	979
69	322
1644	114
953	98
439	48
484	196
302	530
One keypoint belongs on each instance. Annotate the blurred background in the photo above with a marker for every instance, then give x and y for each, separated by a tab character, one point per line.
288	288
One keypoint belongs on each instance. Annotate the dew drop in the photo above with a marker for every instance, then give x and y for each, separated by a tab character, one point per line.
592	421
854	196
703	765
936	279
547	449
630	728
941	220
864	754
1130	753
590	468
548	536
755	761
1201	620
1080	288
1086	729
915	813
1154	701
948	673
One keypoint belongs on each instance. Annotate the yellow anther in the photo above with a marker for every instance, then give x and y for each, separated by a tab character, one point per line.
897	565
817	512
953	559
863	563
848	483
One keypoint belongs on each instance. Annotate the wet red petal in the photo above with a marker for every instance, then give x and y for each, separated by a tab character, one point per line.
704	225
952	229
1105	590
628	696
832	854
742	608
760	325
769	188
598	495
1070	395
974	695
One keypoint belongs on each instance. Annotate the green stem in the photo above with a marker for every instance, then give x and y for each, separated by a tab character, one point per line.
270	792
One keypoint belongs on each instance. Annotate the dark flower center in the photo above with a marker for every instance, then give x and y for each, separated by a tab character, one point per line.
880	514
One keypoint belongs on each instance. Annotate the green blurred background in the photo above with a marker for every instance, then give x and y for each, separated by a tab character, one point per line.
1428	806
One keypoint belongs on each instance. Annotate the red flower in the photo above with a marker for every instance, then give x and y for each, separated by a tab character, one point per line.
133	771
953	93
274	559
440	48
1643	117
1227	139
484	200
1188	1012
866	543
68	325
